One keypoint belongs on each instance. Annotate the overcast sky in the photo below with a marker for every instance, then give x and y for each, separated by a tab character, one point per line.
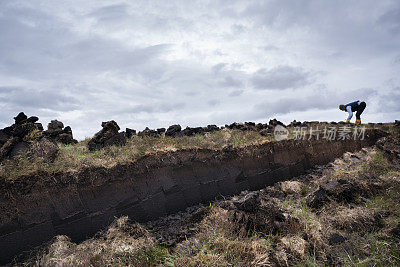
157	63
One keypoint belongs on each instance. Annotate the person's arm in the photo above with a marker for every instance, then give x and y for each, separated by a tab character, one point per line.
348	109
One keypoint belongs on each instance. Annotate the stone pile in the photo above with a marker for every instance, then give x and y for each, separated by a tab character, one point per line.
25	137
57	132
107	136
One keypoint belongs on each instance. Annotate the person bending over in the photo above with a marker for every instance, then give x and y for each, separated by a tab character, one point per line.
355	106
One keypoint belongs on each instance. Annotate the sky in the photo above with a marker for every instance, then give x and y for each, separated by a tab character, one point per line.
194	63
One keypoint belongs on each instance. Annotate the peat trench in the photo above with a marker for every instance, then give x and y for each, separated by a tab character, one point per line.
35	209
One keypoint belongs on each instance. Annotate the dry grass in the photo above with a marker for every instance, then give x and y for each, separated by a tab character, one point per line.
72	158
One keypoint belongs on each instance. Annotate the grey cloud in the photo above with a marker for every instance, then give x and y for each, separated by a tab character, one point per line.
391	21
27	98
236	93
218	67
229	81
281	77
42	51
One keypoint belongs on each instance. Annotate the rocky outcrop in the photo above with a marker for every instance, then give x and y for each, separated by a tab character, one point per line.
149	132
174	131
130	132
275	122
25	137
108	136
57	132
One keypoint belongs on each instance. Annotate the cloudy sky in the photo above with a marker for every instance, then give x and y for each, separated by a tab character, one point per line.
157	63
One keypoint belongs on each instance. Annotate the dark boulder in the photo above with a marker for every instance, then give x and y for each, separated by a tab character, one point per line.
107	136
160	131
390	145
148	132
174	131
20	118
295	123
188	131
25	137
116	140
317	199
21	130
397	123
275	122
130	132
340	190
248	203
256	211
57	132
235	126
55	126
212	128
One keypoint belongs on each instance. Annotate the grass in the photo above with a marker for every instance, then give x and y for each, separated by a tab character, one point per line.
72	158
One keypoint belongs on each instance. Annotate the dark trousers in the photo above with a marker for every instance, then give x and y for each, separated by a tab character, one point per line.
360	110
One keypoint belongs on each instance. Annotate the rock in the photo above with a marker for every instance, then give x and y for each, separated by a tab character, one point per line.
160	131
57	132
390	145
148	132
55	126
173	130
130	132
235	126
21	130
317	199
107	136
212	128
397	123
188	131
66	139
39	126
248	203
275	122
20	118
336	238
116	140
341	190
295	123
20	148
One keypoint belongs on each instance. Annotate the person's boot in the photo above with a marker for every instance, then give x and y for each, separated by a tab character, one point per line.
358	121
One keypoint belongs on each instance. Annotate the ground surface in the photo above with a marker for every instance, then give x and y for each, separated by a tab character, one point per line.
345	213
